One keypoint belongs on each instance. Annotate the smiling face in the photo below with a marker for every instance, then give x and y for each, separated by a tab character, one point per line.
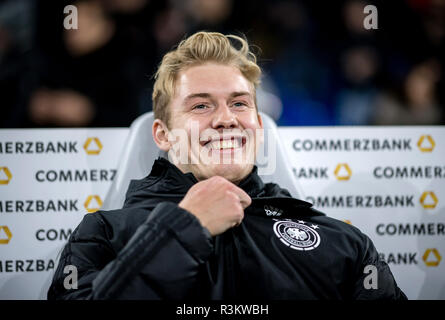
213	118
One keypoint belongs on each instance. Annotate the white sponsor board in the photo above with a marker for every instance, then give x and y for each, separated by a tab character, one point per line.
387	181
49	178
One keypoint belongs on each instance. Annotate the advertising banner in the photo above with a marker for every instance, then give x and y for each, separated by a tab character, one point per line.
48	180
387	181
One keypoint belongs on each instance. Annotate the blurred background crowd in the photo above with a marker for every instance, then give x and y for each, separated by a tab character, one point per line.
321	66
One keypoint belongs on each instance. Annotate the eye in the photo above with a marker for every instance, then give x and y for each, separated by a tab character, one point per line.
200	107
239	104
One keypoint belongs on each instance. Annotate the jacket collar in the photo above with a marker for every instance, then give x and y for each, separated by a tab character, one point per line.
167	182
181	182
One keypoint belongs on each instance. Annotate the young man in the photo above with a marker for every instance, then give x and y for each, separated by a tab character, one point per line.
197	226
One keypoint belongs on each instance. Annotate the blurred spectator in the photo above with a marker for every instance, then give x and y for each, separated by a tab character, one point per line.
170	26
359	64
417	103
298	70
355	101
92	79
16	40
208	12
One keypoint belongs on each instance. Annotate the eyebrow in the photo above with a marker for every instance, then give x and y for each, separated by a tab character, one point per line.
240	93
208	95
197	95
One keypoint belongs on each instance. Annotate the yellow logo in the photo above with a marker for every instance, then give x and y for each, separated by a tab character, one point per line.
90	205
90	149
347	221
436	254
344	174
430	204
422	146
6	173
6	232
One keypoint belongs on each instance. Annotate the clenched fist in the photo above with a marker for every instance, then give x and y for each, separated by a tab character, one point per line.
217	203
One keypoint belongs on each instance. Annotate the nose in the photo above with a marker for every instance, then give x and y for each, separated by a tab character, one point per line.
224	118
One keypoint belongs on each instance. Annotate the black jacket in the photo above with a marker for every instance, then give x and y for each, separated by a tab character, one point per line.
152	249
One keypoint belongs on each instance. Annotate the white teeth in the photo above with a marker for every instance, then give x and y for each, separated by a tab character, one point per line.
225	144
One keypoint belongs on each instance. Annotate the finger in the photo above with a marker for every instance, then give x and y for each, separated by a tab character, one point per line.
243	197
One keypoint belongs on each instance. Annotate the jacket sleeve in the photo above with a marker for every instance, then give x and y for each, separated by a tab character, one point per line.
374	279
160	261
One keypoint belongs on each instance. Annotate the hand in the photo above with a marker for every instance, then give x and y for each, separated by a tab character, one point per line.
61	107
217	203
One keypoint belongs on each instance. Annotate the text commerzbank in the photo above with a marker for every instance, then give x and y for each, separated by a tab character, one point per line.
38	147
400	172
365	144
76	175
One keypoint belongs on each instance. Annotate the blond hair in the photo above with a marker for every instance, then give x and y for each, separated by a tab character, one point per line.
197	49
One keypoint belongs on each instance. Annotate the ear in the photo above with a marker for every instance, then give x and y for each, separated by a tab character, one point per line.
261	136
260	120
160	135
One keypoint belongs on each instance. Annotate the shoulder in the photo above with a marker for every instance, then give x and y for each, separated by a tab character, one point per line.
273	189
342	232
148	181
114	227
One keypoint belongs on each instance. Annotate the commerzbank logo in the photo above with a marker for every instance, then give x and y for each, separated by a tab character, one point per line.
428	200
5	235
342	171
431	257
426	143
5	175
92	146
93	203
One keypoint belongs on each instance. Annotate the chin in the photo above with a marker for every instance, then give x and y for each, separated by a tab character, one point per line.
232	172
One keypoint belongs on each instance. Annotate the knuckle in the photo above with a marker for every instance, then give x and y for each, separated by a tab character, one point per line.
218	179
218	182
239	209
231	196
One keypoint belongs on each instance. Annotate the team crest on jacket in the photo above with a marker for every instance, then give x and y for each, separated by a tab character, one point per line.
297	235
